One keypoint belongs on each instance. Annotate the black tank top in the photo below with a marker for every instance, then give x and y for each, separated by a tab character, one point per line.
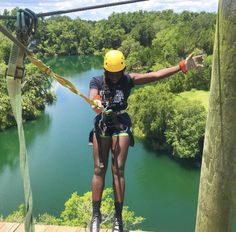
115	95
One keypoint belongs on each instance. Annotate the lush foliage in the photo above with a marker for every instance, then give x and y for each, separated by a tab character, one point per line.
6	117
151	107
35	87
149	40
171	122
17	215
35	94
197	95
78	211
186	127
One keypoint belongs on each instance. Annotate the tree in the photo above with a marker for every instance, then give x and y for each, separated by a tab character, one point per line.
216	202
6	116
5	48
150	108
186	127
10	24
35	93
105	35
170	122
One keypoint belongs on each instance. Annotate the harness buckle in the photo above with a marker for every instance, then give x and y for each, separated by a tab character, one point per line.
19	73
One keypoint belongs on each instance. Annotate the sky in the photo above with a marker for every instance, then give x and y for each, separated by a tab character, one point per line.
40	6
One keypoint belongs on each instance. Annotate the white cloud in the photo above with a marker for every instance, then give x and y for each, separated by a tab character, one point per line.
156	5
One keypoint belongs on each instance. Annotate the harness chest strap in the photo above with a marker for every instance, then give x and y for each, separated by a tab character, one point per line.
120	112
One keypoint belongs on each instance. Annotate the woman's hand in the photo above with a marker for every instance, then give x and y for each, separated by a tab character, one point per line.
97	107
191	62
194	61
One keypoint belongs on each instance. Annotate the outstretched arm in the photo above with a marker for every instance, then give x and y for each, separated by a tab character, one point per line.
143	78
184	65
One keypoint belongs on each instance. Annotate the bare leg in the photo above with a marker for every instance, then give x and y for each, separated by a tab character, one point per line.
98	180
120	145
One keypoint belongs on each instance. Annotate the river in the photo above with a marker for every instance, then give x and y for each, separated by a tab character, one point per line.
157	188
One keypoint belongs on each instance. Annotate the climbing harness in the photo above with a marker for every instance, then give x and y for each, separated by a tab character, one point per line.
106	122
26	24
101	128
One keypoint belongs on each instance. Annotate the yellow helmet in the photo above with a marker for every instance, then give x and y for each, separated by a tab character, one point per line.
114	61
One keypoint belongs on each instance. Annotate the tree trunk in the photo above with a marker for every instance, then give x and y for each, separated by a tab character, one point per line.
217	192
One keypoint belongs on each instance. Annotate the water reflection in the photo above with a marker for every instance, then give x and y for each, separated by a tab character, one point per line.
74	65
189	163
9	145
8	149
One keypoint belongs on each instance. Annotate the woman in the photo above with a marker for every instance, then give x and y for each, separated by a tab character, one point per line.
112	127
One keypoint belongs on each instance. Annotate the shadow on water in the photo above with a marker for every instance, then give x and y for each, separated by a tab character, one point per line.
9	144
186	163
9	149
74	65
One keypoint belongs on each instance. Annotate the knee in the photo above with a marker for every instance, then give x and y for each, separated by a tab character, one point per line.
99	171
118	171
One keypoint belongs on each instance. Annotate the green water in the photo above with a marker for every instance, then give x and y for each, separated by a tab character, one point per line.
60	161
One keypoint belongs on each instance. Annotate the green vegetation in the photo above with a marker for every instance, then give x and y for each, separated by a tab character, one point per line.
173	122
198	95
77	212
151	107
150	41
35	94
185	129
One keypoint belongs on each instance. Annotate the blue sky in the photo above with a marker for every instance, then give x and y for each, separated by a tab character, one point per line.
53	5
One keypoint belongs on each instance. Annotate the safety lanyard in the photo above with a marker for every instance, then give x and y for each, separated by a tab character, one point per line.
14	76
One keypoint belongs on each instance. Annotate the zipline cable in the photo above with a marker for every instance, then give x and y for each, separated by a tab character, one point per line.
78	9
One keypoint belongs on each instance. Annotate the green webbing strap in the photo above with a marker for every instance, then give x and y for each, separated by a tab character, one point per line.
14	91
14	75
